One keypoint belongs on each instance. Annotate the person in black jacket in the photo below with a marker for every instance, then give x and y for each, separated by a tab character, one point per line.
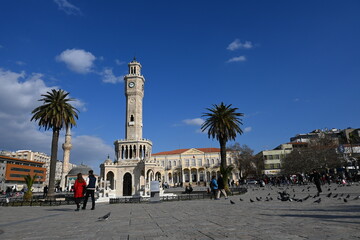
315	176
90	190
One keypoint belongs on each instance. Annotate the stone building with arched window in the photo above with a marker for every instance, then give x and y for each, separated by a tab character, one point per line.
193	166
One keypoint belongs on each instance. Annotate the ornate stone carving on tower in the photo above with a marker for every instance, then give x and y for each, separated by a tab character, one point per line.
66	147
127	173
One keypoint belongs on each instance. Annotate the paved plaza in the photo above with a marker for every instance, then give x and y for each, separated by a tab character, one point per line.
332	218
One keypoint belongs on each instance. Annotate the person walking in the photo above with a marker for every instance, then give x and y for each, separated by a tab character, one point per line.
90	190
214	188
46	189
221	187
79	190
315	176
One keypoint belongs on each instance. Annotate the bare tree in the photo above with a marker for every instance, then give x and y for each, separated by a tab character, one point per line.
244	159
320	154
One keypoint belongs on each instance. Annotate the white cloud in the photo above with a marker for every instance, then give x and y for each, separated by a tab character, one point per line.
237	59
19	96
89	150
67	7
118	62
237	44
109	77
248	129
194	121
296	99
77	60
1	46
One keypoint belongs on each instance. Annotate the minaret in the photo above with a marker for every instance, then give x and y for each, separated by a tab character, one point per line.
66	147
134	92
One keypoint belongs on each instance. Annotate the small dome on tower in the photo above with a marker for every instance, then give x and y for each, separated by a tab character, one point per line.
108	161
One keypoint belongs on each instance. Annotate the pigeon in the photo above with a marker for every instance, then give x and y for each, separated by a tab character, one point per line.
271	198
347	196
251	200
241	199
105	217
357	197
345	200
329	189
306	198
329	195
232	202
303	190
258	199
335	195
317	201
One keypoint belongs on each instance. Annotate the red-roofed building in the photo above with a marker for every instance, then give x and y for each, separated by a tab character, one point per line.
191	165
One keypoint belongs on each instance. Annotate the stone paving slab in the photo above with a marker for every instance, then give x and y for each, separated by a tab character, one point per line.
332	218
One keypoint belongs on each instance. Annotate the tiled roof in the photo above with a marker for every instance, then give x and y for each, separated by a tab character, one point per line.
180	151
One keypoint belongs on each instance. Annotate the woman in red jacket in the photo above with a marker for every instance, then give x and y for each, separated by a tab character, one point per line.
79	190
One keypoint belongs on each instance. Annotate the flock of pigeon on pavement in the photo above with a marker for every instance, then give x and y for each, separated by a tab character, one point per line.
289	194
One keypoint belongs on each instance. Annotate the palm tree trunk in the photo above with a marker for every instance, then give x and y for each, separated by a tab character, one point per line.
223	162
54	150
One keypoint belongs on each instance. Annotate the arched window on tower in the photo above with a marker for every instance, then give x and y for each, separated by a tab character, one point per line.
122	152
140	152
131	118
130	152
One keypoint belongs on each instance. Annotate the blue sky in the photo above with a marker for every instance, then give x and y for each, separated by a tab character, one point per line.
289	66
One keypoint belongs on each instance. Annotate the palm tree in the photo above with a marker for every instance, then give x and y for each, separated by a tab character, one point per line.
29	181
55	113
223	123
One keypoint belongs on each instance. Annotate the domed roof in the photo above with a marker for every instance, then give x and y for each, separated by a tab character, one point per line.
108	161
83	169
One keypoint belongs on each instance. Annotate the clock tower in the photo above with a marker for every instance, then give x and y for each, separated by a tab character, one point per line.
130	174
134	92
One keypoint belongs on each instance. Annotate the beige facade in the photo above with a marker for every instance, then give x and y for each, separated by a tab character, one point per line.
272	158
193	166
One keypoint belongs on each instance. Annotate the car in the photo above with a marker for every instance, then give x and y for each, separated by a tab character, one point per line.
251	181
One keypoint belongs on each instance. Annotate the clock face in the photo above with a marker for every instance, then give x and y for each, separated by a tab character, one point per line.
131	84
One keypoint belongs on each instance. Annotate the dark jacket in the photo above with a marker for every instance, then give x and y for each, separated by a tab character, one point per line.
316	177
220	182
91	182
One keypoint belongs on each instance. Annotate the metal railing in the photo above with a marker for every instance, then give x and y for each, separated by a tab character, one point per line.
179	197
